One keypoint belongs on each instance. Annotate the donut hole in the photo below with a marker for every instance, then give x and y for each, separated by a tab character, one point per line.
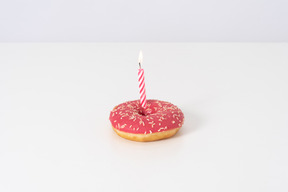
140	112
146	112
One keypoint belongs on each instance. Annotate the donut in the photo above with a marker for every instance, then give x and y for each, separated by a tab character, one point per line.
161	120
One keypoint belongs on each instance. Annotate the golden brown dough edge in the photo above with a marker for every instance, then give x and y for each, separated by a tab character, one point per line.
147	137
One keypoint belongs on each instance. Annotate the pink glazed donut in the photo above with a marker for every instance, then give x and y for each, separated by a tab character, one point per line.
162	120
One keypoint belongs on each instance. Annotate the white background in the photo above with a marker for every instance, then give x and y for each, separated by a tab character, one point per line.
55	101
143	21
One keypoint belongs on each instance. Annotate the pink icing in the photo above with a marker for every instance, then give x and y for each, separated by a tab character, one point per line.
161	116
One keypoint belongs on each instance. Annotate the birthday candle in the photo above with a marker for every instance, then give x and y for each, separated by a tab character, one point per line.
141	81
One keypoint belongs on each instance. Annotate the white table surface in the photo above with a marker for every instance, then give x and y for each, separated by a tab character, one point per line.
55	101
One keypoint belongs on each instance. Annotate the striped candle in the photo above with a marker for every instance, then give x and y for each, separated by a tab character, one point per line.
141	81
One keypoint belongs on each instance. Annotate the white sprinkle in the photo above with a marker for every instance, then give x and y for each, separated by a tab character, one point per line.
152	123
141	122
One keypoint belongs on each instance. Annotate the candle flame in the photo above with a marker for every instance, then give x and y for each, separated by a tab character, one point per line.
140	58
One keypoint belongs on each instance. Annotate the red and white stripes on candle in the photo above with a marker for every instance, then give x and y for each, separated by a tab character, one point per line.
142	90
